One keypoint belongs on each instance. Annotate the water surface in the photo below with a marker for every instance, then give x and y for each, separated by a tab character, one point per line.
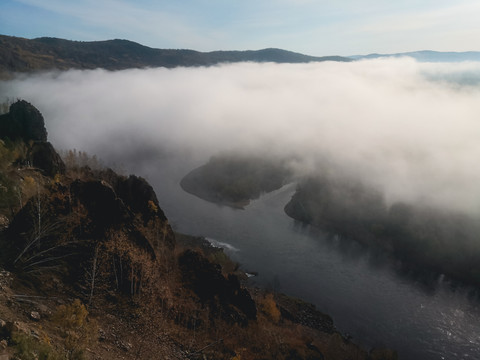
368	299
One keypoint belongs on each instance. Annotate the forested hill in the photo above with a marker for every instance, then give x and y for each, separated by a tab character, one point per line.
23	55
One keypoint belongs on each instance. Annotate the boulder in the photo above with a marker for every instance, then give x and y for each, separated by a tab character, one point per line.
35	315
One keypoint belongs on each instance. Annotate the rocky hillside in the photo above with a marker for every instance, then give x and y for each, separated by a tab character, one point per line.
91	269
24	55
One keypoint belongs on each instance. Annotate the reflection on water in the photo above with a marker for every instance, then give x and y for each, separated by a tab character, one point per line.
374	301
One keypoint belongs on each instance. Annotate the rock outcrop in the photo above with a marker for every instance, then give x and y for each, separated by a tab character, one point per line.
23	121
224	296
70	221
43	156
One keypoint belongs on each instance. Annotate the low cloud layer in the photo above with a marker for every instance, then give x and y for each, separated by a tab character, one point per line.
411	128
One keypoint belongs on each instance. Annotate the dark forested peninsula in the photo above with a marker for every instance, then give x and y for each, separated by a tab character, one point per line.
234	180
429	238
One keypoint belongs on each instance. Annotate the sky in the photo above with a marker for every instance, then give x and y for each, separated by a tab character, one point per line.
313	27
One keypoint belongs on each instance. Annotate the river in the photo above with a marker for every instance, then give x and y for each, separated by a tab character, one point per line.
367	298
139	119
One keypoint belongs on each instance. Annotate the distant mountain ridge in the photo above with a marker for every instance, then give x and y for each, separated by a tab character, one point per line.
428	56
24	55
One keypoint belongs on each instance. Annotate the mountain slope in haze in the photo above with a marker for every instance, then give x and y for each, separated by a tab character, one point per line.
428	56
432	241
23	55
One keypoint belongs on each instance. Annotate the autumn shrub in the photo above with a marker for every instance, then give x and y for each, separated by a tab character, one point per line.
28	348
269	307
133	267
76	329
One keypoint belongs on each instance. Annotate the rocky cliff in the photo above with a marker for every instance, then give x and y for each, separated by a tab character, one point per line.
25	125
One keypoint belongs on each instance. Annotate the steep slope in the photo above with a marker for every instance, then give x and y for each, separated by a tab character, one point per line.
91	269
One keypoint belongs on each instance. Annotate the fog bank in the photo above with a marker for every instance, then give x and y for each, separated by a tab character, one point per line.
411	128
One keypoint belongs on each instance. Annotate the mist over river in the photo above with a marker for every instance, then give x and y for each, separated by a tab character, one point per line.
409	129
366	297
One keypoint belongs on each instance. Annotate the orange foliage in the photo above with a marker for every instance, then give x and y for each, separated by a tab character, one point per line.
269	307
